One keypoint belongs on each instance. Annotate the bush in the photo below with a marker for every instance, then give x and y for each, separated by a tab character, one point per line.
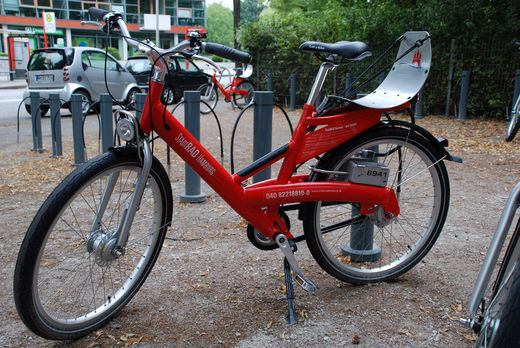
217	59
114	52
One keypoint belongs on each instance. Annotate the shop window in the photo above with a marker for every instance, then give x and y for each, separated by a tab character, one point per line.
36	3
184	12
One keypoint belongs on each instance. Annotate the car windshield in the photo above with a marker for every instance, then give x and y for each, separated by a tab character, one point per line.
137	66
50	59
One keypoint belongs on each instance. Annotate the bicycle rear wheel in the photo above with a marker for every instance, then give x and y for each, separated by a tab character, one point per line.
242	100
208	97
360	249
67	283
514	122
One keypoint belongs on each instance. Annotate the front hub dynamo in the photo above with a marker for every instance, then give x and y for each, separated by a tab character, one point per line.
102	244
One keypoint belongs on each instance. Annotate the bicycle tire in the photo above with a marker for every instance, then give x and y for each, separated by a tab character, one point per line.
501	323
208	94
407	155
64	287
514	122
240	100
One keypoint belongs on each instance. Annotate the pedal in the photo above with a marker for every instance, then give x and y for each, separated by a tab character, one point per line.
306	284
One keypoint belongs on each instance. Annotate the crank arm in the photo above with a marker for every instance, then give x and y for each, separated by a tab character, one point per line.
283	244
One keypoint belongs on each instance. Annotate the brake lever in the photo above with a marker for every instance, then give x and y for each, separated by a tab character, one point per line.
99	25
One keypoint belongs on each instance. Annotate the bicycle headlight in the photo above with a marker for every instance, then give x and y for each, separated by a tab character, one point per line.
126	129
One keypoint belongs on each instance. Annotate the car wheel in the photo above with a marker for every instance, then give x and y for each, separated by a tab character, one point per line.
86	103
130	98
168	95
43	109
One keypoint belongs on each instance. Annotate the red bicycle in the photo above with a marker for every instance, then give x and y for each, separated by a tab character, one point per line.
373	198
239	92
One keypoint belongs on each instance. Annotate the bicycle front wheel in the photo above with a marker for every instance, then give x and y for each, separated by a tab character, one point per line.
514	122
360	249
66	284
208	97
242	100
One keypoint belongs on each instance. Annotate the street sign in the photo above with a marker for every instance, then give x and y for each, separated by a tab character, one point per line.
49	21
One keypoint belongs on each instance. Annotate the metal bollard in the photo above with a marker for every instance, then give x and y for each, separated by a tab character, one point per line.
192	192
292	101
418	113
464	91
381	77
361	247
77	129
270	82
36	122
57	148
348	82
140	99
517	88
262	130
107	123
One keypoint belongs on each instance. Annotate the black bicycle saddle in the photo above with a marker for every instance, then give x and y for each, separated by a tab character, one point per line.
352	50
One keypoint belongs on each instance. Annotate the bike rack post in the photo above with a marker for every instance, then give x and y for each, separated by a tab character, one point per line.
36	122
348	81
362	247
292	100
262	130
517	88
418	113
107	123
77	129
57	149
270	82
140	99
192	192
464	91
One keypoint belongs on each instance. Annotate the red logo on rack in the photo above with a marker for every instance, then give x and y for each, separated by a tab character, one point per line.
417	56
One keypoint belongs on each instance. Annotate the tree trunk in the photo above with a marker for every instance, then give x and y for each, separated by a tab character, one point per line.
236	21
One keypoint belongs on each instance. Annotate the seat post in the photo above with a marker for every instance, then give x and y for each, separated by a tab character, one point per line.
318	81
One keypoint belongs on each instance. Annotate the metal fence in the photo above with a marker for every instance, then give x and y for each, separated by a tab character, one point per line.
492	65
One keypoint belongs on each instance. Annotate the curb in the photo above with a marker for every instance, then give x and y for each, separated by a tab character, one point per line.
16	84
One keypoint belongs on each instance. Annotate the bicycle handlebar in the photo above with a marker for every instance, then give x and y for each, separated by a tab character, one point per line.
97	13
209	47
227	52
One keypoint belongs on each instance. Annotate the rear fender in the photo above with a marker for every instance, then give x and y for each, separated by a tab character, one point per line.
439	143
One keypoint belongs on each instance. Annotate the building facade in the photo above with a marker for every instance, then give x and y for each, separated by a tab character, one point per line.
21	23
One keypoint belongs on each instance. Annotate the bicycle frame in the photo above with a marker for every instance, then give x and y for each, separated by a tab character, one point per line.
492	255
229	90
259	203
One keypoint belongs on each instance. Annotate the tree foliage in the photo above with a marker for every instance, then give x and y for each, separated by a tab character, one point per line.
250	10
484	32
220	24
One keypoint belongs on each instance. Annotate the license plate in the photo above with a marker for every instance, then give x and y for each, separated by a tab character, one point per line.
44	78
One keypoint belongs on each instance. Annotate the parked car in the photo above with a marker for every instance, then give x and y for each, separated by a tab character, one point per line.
77	70
140	67
184	75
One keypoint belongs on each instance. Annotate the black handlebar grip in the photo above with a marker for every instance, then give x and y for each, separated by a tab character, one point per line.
97	13
227	52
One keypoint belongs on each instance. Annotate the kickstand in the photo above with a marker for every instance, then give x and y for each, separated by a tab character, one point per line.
290	292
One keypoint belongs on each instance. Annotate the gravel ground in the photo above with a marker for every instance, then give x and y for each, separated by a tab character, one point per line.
211	287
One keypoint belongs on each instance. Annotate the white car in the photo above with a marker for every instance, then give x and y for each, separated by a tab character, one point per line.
77	70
